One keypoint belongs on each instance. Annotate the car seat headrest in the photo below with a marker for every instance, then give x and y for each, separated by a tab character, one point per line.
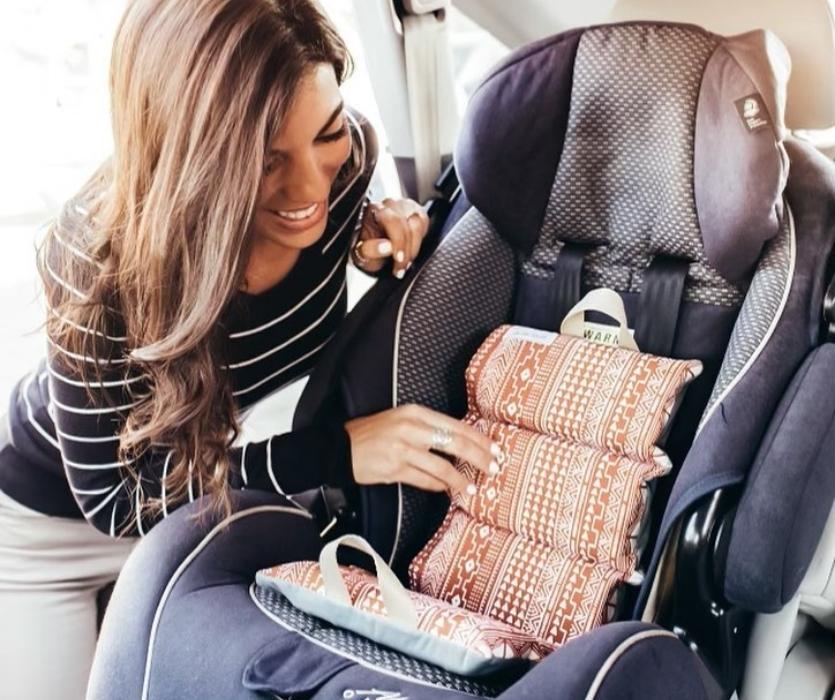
653	138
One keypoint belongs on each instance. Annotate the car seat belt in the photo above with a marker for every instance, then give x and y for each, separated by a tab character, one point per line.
543	302
659	303
425	48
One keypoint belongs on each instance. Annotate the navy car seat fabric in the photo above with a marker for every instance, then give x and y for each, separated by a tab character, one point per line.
789	493
778	325
612	118
624	121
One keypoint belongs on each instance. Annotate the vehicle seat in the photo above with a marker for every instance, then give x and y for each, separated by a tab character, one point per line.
646	157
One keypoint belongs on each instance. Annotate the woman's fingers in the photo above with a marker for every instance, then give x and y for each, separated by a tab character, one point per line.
422	480
375	248
418	222
438	468
466	443
397	231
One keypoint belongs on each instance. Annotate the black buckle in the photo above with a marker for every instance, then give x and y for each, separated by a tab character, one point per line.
334	513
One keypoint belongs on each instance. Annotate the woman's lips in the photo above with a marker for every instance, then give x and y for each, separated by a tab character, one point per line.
300	219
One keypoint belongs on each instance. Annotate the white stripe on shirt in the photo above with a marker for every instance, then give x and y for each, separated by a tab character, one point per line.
84	329
90	513
84	358
31	415
91	411
342	227
286	367
310	295
65	285
96	385
360	170
300	334
73	249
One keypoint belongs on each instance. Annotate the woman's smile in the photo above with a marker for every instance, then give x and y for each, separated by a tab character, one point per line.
301	218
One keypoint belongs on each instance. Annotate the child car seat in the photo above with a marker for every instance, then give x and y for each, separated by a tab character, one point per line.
646	157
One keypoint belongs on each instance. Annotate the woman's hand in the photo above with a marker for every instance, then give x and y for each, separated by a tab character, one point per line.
393	446
392	228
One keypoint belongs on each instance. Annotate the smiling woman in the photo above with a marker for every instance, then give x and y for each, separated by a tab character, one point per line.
301	165
201	269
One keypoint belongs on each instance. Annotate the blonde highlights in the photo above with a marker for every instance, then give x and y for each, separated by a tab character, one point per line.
154	246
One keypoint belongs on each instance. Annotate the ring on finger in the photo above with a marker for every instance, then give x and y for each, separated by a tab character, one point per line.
441	438
376	208
356	251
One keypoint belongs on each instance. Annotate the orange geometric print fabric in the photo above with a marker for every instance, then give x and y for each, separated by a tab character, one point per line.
543	543
483	635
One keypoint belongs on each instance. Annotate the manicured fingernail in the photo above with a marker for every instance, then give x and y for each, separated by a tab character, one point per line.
495	450
384	248
399	256
400	274
408	265
471	489
494	468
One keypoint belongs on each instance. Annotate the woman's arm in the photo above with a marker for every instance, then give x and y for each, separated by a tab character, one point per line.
110	493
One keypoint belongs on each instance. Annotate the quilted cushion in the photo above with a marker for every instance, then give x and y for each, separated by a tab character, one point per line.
543	543
444	634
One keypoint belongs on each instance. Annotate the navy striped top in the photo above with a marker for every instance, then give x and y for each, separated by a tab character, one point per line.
59	455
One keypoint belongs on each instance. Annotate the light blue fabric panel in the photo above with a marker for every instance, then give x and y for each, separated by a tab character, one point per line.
421	645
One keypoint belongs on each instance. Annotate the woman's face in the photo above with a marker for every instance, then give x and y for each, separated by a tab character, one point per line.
302	163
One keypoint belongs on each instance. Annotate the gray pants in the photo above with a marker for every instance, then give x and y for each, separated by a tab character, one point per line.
51	570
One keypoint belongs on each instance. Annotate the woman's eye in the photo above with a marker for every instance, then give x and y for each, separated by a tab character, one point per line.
335	135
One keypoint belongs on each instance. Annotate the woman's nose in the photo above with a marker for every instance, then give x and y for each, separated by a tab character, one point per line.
307	181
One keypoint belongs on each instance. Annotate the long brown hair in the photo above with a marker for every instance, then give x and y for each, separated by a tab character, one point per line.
158	239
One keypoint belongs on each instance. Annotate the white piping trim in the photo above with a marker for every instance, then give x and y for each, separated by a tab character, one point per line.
113	521
286	367
137	492
289	341
394	365
164	477
758	350
356	659
30	414
190	481
310	295
270	466
243	464
187	562
619	651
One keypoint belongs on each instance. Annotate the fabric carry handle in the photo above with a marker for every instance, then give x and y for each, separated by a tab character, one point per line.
395	596
605	301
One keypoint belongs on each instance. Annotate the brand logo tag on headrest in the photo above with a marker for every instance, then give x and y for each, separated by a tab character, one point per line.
531	335
601	333
752	111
